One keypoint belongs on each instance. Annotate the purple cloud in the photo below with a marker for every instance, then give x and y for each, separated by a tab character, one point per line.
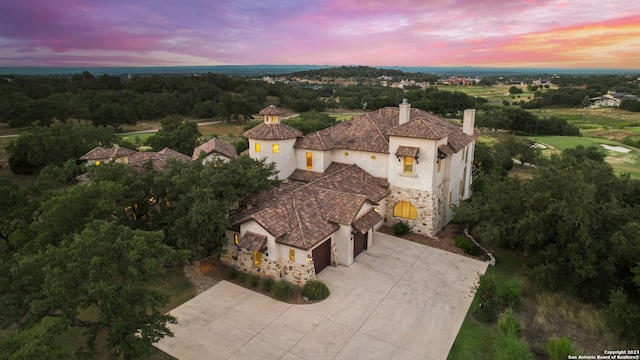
204	32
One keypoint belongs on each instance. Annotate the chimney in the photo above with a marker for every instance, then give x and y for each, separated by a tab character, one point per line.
469	121
405	108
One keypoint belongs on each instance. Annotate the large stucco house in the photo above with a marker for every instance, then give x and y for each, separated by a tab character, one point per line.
342	183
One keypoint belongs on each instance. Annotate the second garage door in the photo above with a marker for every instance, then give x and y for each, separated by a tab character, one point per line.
322	256
359	243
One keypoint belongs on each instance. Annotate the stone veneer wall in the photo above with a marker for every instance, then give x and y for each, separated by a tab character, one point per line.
431	208
281	269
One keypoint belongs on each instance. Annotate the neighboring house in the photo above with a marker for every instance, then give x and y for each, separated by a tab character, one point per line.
394	164
102	155
612	99
138	160
215	149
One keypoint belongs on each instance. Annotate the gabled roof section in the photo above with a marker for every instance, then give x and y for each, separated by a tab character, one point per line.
275	131
252	241
363	133
367	221
319	140
305	175
158	159
303	215
168	153
355	180
370	132
339	207
215	145
423	126
102	153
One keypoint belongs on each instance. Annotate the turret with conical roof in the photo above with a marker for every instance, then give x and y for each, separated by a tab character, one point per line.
271	114
274	141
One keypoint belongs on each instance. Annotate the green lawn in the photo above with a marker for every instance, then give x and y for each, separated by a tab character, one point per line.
623	163
136	138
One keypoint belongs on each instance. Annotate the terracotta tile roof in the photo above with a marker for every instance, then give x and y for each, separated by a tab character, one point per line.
370	132
458	140
319	140
446	149
303	215
367	221
407	151
335	167
172	154
158	159
305	175
272	194
270	110
339	207
102	153
252	241
275	131
217	146
354	180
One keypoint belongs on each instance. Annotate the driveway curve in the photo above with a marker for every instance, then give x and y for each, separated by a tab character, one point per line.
398	300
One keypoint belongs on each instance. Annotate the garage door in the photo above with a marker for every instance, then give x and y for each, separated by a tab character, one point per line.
322	256
359	243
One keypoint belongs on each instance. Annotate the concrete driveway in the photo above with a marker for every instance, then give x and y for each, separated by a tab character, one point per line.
398	300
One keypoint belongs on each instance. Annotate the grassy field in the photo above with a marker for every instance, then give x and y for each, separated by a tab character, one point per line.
495	94
623	163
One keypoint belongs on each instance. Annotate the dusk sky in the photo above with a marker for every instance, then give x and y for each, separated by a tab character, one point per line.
495	33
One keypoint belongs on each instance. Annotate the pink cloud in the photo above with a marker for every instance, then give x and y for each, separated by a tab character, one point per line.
371	32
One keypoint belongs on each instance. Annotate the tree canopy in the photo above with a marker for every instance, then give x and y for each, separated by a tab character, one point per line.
55	144
575	221
87	256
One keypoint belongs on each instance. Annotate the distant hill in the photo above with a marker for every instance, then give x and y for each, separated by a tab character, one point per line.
308	71
348	72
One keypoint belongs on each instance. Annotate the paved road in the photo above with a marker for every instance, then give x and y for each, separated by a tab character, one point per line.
133	132
398	300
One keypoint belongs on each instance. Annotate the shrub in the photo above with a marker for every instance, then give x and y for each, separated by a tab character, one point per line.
623	316
401	228
466	245
242	277
232	273
487	293
283	291
267	284
254	281
511	347
510	293
559	349
315	290
509	324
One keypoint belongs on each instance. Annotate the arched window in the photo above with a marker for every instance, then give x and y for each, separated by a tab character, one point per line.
405	209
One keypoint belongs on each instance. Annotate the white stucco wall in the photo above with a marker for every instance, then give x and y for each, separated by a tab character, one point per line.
424	170
285	159
321	159
374	163
283	253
